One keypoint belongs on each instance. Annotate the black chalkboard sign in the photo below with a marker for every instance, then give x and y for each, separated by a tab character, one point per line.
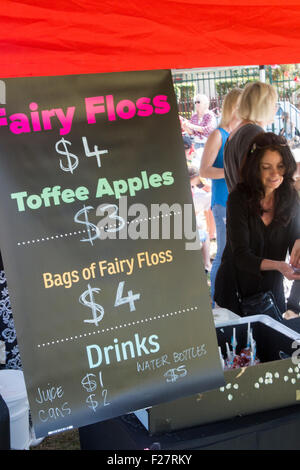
109	296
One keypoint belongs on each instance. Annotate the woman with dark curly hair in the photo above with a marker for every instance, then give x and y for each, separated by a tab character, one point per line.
263	225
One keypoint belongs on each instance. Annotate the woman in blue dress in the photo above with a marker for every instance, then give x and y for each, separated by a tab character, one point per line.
212	167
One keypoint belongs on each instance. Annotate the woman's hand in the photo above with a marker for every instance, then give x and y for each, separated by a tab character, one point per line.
284	268
295	254
289	314
194	127
187	126
287	271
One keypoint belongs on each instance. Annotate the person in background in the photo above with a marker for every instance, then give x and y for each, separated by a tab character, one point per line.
288	129
297	178
212	167
263	225
257	108
202	122
188	148
201	199
295	260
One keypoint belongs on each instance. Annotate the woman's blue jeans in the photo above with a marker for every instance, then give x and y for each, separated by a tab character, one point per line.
219	213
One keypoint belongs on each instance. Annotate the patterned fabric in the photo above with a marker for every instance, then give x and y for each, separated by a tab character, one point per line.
207	121
7	328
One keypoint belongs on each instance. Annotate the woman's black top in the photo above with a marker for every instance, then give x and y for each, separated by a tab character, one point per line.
235	150
249	241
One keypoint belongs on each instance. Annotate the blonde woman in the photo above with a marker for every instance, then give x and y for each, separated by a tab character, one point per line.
202	122
257	108
212	167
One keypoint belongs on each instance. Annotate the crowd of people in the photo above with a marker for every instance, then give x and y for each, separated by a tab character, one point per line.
254	184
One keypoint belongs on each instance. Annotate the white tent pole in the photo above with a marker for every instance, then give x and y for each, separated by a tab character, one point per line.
262	73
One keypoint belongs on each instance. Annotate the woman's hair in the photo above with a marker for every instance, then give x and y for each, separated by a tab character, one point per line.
258	102
250	176
202	99
229	104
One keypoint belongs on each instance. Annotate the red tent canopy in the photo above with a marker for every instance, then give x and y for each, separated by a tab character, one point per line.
48	37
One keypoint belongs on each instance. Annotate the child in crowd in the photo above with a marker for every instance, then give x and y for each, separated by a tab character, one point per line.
188	148
202	200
